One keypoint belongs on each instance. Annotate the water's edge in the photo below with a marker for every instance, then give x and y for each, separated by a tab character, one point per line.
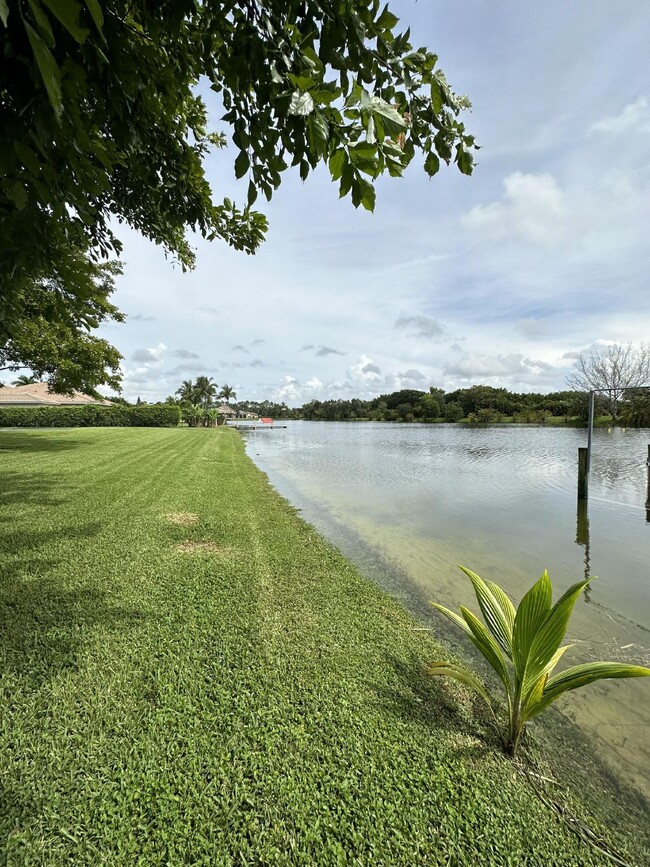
572	758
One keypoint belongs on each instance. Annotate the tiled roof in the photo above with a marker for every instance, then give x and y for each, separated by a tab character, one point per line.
37	394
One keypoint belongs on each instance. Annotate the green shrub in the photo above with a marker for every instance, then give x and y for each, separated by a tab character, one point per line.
90	416
454	411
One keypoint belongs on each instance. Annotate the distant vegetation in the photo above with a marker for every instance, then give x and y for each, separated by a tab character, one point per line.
481	404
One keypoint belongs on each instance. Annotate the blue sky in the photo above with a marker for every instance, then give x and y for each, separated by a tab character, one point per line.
498	278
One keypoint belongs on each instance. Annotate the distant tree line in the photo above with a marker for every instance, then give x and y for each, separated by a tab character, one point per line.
480	404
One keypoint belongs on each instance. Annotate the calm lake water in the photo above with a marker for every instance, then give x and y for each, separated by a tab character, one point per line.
501	500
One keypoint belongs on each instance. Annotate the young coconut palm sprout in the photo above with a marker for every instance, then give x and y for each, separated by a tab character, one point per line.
523	647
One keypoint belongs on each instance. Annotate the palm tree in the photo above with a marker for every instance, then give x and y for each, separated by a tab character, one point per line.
211	416
636	411
205	388
227	391
193	414
24	379
186	393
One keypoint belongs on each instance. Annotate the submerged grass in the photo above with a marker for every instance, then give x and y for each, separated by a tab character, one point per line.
262	708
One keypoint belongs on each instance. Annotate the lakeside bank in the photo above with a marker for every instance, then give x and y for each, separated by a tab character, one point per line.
191	674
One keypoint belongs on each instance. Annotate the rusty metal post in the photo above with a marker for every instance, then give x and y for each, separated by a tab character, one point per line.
583	473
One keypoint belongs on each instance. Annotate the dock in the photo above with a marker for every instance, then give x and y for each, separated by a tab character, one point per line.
257	426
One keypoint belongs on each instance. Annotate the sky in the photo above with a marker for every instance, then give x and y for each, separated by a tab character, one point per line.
499	278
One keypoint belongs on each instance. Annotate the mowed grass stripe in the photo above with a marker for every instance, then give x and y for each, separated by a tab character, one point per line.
256	704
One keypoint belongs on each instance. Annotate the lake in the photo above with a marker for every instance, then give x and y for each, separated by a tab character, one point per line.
407	502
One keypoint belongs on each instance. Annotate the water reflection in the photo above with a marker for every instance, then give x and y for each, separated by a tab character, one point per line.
583	538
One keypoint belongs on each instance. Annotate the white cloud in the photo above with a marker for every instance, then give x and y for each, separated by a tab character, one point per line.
363	372
412	375
152	355
294	392
152	359
635	117
363	379
420	325
532	208
327	350
511	370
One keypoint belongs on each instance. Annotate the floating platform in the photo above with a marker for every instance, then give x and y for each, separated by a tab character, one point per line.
257	426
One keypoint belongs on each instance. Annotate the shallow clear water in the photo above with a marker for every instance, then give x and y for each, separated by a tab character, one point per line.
502	501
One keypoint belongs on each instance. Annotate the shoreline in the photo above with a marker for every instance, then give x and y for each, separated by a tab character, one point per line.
267	669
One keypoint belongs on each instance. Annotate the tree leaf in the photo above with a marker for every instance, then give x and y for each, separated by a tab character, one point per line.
301	104
392	120
68	11
318	133
4	12
367	194
580	675
490	606
533	693
18	194
387	20
549	636
437	95
457	672
371	135
96	14
531	614
44	28
455	618
504	601
362	151
337	162
27	157
346	181
431	167
487	645
465	160
47	67
242	164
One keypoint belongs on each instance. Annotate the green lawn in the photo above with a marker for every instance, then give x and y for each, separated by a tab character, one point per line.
250	700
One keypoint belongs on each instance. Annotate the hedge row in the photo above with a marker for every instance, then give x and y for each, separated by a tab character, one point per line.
90	416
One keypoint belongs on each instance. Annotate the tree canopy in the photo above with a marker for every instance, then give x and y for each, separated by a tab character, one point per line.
613	369
52	335
101	122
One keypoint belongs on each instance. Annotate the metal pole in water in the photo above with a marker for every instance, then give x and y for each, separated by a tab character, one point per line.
583	473
647	502
590	431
